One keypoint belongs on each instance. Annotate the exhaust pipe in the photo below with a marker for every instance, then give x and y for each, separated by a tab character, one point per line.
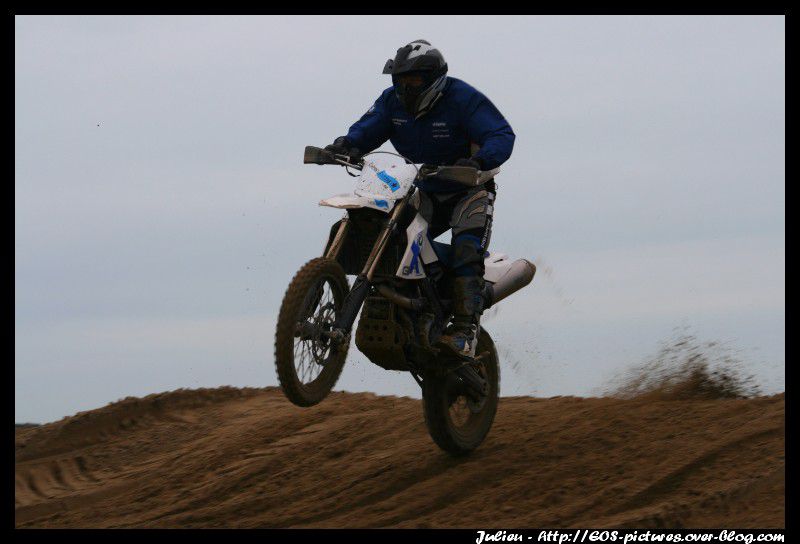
518	276
415	304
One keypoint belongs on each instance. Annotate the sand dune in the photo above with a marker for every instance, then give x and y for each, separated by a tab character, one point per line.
248	458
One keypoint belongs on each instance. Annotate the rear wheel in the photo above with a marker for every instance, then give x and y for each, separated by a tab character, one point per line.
457	423
307	361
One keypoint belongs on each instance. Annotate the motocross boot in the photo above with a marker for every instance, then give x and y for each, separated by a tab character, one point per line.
460	337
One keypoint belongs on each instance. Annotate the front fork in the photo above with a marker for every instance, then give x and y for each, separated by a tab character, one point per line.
336	245
355	298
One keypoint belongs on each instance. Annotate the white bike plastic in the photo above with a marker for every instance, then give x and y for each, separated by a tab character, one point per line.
385	179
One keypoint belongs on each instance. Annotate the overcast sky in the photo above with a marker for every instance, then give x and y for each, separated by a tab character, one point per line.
161	203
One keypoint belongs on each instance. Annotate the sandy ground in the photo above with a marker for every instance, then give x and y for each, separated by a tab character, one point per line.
248	458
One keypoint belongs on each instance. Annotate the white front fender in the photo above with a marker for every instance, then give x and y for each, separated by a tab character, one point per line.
351	200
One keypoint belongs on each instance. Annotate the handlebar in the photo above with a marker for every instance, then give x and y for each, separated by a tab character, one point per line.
465	175
317	155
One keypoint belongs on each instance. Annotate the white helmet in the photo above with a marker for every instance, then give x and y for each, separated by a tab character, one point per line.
418	57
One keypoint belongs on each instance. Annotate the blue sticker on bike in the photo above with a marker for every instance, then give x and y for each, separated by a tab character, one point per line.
381	203
389	180
416	247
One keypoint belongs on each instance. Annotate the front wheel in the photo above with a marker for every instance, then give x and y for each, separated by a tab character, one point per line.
307	361
456	423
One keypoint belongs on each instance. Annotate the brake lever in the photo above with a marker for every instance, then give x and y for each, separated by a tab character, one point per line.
426	171
346	161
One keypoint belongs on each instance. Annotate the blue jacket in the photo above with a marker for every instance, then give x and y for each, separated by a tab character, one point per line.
462	116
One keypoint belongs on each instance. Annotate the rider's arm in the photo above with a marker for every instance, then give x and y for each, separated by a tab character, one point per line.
374	127
487	127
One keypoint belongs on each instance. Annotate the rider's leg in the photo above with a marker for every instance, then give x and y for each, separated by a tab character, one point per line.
436	209
471	222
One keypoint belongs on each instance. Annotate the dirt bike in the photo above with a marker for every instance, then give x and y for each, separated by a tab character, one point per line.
401	281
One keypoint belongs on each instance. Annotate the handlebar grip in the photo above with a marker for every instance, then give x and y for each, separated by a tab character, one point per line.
465	175
316	155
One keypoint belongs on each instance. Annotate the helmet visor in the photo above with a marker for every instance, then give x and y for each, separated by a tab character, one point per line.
412	83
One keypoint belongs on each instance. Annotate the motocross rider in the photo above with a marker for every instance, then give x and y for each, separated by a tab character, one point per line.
435	119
